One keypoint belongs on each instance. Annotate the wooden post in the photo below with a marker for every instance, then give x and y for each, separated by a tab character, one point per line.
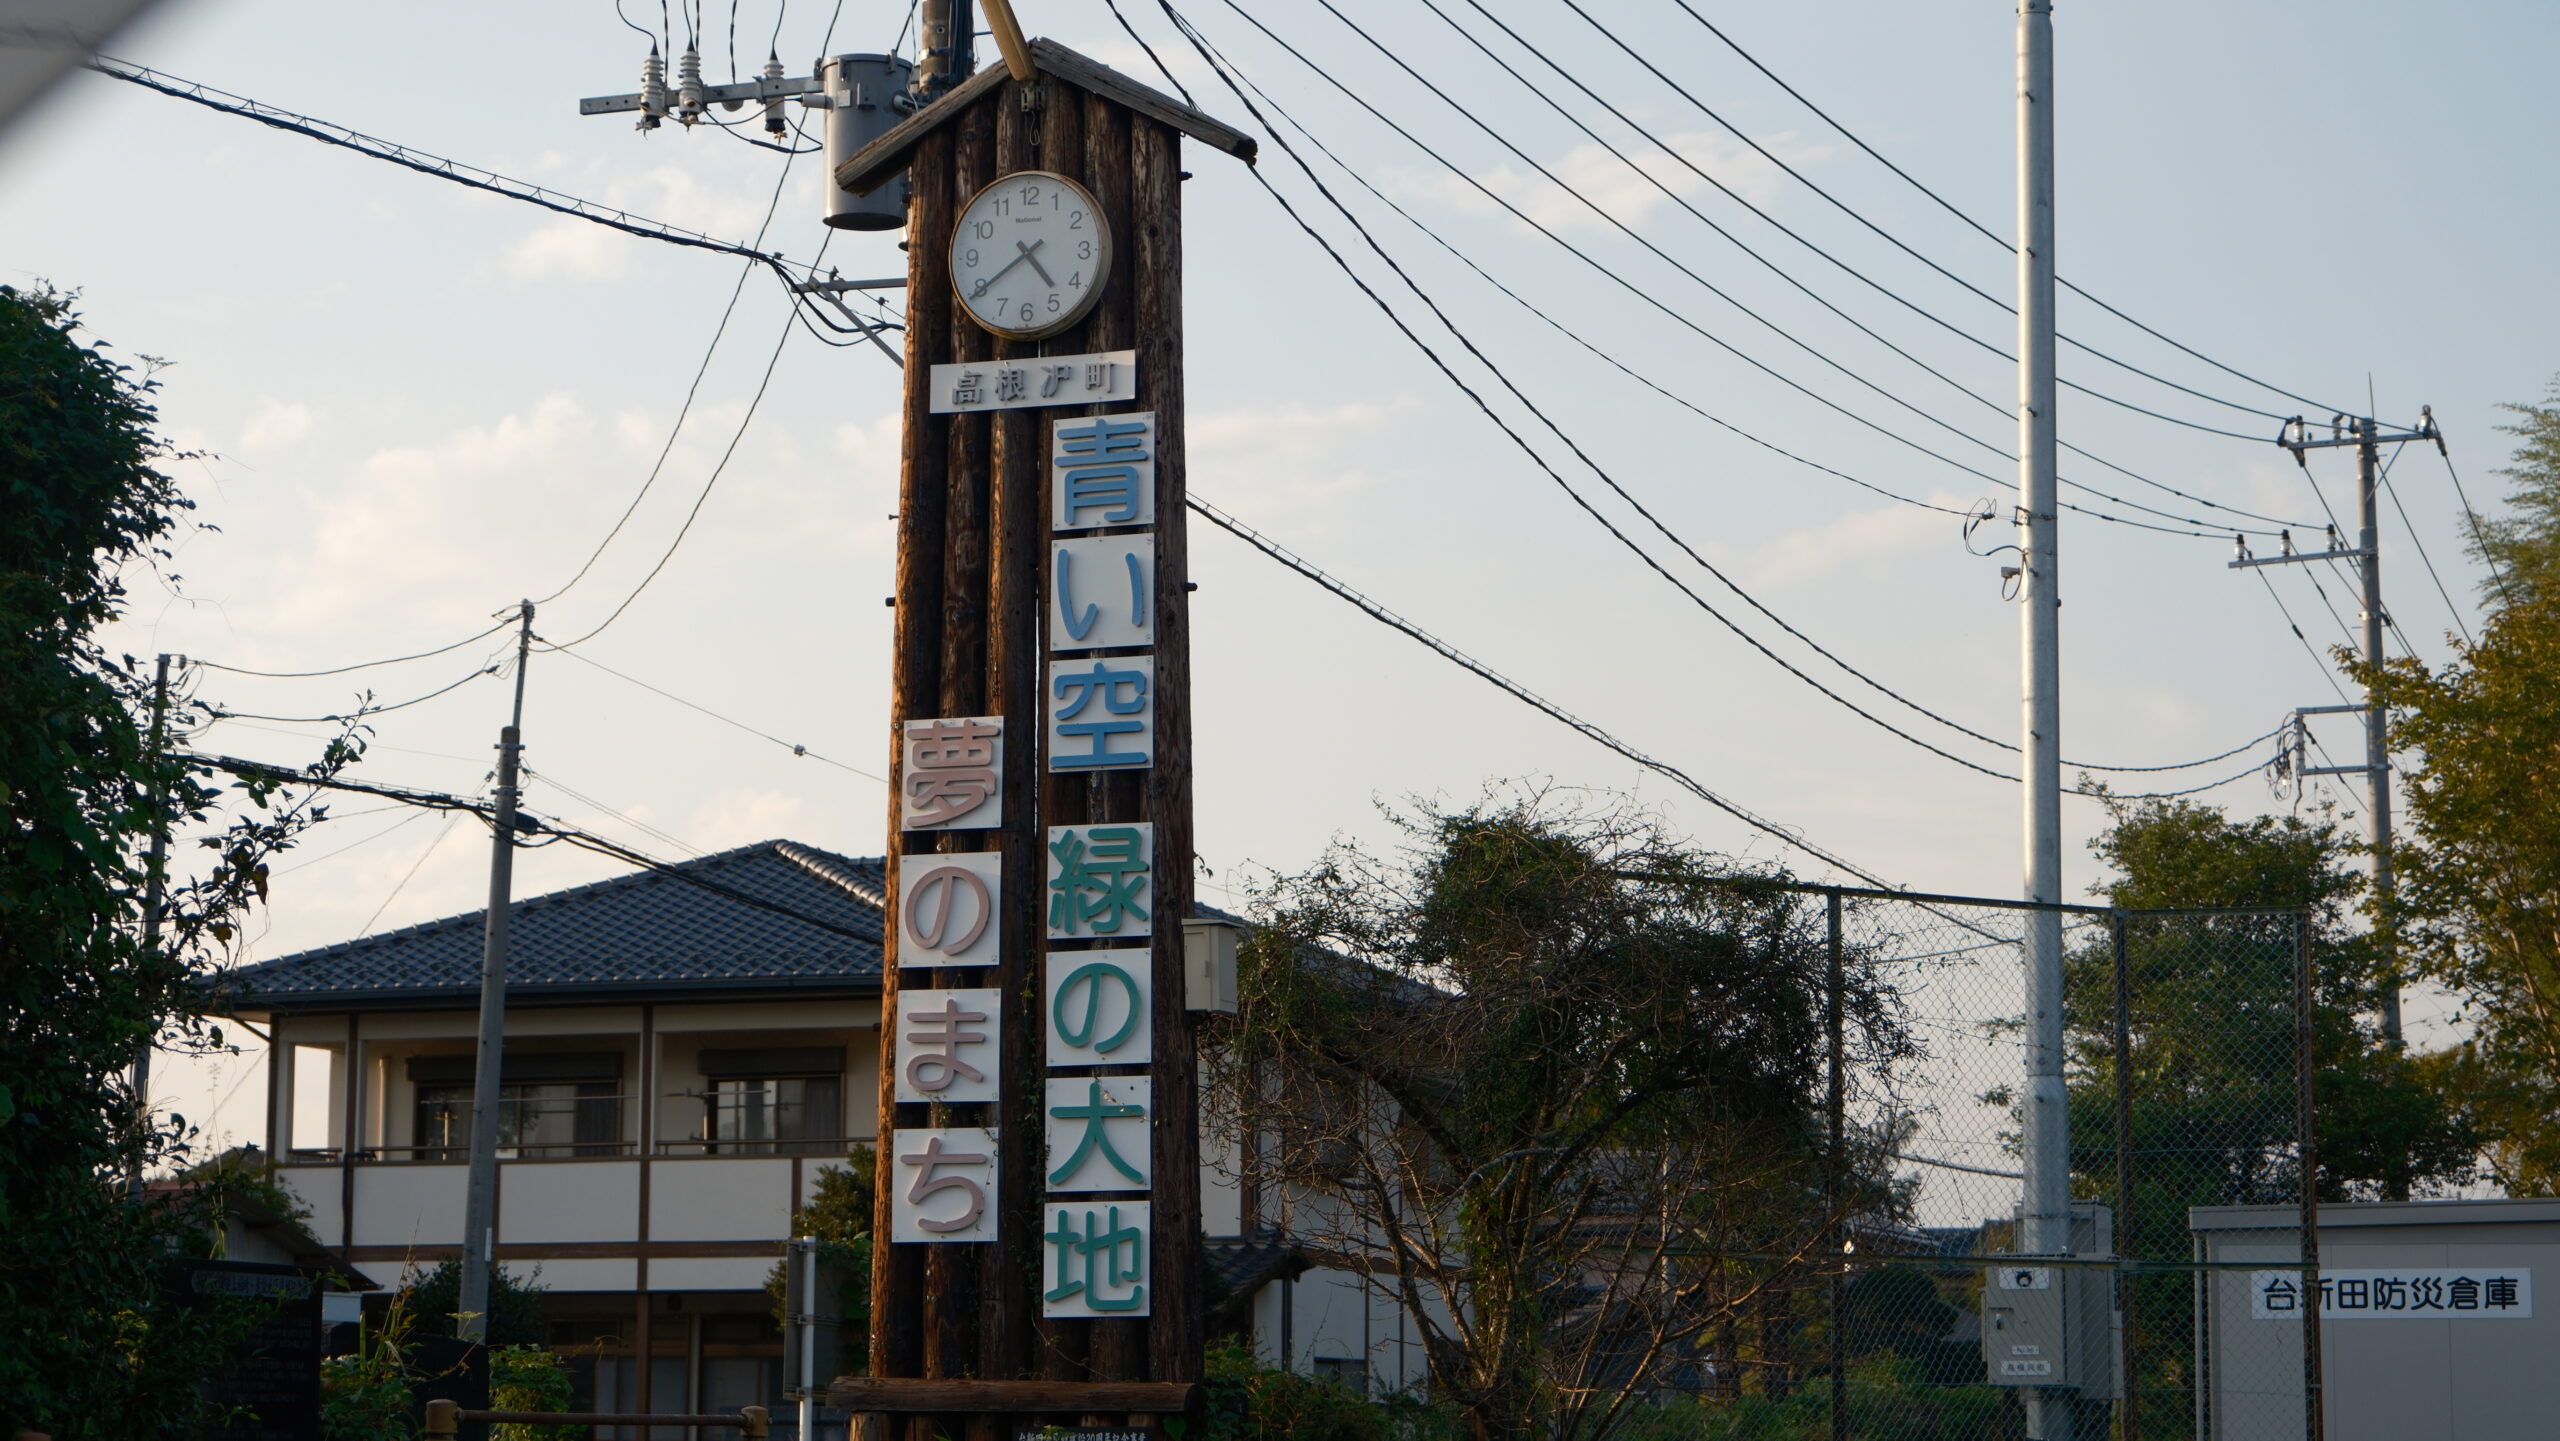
441	1418
959	1329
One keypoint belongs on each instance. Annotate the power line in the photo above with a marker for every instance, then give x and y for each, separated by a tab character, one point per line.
2421	547
2296	627
1547	59
583	840
359	713
714	479
2479	537
1588	462
1977	225
1641	293
794	748
1484	672
685	410
478	178
344	669
1521	442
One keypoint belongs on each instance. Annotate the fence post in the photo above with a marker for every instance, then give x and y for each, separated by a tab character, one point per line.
759	1423
441	1419
2129	1405
1835	982
2307	1146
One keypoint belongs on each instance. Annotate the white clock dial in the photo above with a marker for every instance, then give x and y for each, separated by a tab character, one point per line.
1030	254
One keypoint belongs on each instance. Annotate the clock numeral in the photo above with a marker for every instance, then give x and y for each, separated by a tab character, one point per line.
1026	312
1075	221
984	229
1030	197
1053	302
970	259
1084	250
1076	281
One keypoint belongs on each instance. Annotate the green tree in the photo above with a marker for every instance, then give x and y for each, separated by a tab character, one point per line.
1555	1077
2478	907
515	1303
838	1213
90	1342
2213	1046
2523	547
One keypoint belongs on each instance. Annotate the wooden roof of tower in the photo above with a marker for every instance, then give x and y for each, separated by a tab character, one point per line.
881	161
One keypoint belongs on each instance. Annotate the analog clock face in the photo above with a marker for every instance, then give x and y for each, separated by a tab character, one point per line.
1030	254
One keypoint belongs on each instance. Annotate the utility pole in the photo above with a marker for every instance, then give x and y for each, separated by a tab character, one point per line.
155	873
2367	437
2044	1205
480	1203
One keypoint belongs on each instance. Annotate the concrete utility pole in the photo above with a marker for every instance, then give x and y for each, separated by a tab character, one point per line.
155	881
2367	437
480	1202
2044	1203
2047	1203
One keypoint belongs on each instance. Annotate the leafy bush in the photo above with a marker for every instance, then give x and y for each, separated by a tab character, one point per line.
365	1396
1252	1402
528	1378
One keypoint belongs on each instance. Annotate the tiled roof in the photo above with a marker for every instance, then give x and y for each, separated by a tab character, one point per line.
697	930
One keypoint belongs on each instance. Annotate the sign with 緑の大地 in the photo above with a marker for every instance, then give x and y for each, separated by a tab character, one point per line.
1105	378
2398	1293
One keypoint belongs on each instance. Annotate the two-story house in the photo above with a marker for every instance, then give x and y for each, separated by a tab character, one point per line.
686	1051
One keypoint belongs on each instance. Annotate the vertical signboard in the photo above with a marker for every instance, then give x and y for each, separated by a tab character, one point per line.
1039	1183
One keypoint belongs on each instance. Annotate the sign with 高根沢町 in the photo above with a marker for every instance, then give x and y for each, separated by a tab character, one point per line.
2399	1293
1107	378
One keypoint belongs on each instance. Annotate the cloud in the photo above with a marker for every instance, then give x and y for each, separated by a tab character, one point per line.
1860	536
743	817
1611	183
1285	457
274	425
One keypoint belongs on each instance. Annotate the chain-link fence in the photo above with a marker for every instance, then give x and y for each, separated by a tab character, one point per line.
2184	1077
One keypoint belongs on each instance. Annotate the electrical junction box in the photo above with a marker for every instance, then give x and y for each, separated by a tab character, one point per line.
2051	1321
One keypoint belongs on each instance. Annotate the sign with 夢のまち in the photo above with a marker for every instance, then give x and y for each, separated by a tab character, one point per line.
951	774
943	1183
947	908
946	1045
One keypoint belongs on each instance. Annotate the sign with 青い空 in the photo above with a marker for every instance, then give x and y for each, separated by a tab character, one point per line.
2396	1293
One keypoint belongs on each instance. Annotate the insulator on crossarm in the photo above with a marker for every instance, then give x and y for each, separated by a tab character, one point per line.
773	123
653	90
689	87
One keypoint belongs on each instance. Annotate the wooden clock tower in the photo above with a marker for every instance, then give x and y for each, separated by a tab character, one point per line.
1037	1231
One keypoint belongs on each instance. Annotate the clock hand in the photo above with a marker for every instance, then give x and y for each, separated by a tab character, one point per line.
1001	274
1035	260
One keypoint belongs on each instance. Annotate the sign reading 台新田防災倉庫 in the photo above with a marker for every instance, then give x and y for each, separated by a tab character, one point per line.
2398	1293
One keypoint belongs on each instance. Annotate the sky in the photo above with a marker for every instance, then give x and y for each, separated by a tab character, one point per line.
420	403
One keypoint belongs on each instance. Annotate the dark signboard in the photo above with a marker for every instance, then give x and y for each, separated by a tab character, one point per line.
268	1389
